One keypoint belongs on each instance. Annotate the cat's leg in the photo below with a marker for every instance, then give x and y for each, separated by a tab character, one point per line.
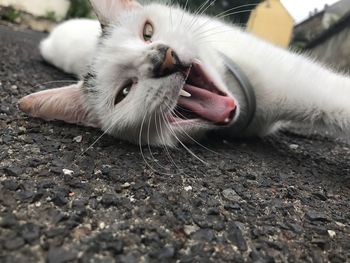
70	45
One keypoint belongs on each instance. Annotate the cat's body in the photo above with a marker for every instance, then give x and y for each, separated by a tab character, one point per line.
289	88
70	45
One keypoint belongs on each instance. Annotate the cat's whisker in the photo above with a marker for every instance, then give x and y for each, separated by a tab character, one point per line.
235	13
195	14
141	149
149	146
193	140
164	145
235	8
182	144
204	32
189	150
226	14
211	29
211	3
189	136
180	173
140	144
178	114
99	138
55	81
171	14
200	13
229	13
197	142
213	34
182	17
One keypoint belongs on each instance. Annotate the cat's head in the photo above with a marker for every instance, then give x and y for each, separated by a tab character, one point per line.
151	80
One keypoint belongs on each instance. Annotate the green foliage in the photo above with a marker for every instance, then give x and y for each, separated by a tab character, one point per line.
299	41
298	46
10	15
79	8
51	15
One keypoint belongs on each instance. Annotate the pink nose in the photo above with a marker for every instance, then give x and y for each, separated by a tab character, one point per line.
169	63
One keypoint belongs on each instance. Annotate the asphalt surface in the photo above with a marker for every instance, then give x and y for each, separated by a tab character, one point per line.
281	199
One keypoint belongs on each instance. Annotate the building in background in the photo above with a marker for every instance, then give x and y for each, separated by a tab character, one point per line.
272	22
326	35
333	45
318	22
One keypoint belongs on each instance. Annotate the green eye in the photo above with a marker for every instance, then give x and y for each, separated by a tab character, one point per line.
148	31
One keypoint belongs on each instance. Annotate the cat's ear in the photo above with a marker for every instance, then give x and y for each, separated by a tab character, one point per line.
108	10
67	104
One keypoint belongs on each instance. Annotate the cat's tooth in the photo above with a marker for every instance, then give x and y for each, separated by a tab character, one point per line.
184	93
227	120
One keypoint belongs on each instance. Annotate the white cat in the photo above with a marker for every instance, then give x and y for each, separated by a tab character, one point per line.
158	76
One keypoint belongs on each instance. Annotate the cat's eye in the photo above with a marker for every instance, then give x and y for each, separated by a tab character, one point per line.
148	31
123	92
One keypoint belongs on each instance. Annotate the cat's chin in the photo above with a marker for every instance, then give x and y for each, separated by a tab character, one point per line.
202	101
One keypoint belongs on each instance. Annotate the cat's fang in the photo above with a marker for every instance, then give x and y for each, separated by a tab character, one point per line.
184	93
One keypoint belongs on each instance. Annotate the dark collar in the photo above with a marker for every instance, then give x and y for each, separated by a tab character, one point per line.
246	116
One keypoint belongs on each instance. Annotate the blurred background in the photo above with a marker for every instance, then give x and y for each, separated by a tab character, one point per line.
319	27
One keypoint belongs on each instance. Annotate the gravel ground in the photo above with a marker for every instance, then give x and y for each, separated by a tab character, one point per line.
282	199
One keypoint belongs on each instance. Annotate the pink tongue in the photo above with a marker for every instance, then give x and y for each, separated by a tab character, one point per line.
208	105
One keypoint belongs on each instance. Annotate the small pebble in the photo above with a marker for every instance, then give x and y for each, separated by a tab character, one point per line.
60	255
102	225
126	185
13	170
14	244
316	216
78	139
188	188
166	253
231	195
30	232
67	172
332	233
340	224
189	229
4	109
97	172
294	146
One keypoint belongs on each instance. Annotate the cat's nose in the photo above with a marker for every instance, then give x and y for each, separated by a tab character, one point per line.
169	64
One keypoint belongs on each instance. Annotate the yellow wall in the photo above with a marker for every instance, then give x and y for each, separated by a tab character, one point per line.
271	21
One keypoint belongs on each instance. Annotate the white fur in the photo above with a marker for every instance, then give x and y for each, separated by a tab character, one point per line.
70	45
289	87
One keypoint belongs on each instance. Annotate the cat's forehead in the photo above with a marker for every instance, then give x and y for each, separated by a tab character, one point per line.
167	15
160	15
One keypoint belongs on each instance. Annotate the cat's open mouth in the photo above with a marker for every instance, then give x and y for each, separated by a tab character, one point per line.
201	99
